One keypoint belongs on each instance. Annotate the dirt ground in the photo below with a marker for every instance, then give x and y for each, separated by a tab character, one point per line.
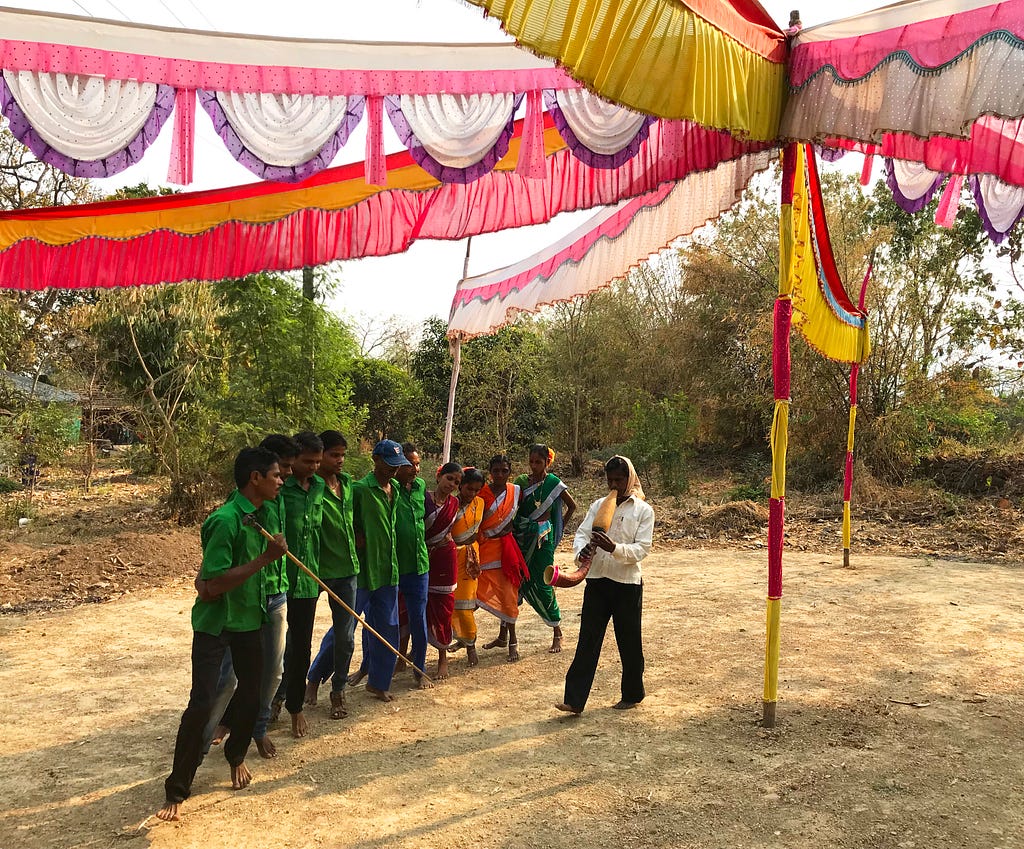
94	694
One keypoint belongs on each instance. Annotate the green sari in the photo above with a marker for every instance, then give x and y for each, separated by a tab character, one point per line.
537	529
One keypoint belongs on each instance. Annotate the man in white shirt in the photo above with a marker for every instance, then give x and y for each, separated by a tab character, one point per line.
614	589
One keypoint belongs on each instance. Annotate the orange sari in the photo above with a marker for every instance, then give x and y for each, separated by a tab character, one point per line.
495	592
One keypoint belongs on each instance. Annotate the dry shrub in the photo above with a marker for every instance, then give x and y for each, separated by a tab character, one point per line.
736	517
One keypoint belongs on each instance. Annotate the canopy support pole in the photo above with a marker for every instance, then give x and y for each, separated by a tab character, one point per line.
781	365
455	346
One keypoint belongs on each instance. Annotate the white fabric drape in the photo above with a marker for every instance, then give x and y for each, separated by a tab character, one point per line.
600	126
1003	202
283	129
83	117
457	129
913	178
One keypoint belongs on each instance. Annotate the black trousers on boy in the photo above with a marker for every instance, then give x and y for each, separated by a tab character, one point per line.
605	599
207	655
301	616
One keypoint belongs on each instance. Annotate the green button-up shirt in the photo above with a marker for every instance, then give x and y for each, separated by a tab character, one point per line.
410	535
374	518
275	576
337	538
228	543
303	517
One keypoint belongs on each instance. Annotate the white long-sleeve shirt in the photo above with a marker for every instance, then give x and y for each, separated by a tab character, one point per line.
632	531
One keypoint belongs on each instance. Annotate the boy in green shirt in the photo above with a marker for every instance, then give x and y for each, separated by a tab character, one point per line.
303	495
233	555
413	558
375	503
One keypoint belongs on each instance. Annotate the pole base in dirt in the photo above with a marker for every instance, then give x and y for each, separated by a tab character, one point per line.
846	558
768	714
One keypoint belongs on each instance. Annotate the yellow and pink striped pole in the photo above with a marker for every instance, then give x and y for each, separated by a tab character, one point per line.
792	157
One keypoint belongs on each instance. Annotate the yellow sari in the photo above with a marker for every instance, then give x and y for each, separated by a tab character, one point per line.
464	532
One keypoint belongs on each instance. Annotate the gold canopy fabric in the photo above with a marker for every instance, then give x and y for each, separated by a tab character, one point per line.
720	64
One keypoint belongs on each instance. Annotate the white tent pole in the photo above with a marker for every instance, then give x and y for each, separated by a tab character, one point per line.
456	349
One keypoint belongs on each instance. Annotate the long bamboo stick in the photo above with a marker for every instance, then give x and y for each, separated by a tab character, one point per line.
251	521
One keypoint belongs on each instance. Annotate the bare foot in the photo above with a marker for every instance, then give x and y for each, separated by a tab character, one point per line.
556	641
513	652
383	695
424	683
496	644
562	706
240	776
299	725
275	709
311	692
442	666
219	733
357	676
168	813
265	746
338	708
471	655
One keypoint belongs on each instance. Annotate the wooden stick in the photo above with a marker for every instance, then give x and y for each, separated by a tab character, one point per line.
251	520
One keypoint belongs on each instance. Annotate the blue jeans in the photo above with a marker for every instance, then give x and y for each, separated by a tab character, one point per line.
414	590
322	667
380	609
272	640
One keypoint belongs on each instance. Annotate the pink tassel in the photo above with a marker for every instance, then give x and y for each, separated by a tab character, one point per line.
183	143
945	215
376	164
865	172
531	146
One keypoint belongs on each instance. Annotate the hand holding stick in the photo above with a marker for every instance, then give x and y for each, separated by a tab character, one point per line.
250	520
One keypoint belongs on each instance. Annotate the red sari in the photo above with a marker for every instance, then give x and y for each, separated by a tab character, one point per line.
444	570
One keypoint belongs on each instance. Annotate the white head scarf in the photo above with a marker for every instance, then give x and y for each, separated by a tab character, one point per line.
633	486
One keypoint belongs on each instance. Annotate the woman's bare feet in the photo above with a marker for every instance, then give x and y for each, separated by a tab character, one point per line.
265	746
423	683
562	706
168	813
357	676
240	776
383	695
513	652
312	689
299	725
219	733
471	655
442	664
556	641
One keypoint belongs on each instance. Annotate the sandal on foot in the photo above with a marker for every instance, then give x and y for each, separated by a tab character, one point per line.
338	709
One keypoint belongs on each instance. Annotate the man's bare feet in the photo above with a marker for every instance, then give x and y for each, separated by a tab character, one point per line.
240	776
275	709
338	708
299	725
265	746
383	695
556	641
562	706
168	813
312	689
442	665
357	676
471	655
219	733
423	683
513	652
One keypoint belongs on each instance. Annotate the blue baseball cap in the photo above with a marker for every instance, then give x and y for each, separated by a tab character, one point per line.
390	452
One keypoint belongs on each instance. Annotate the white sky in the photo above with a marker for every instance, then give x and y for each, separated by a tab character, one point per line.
419	283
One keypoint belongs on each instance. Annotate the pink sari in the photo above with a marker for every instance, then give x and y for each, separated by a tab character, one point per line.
444	570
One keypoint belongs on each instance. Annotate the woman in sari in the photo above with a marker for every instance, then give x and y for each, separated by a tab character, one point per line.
464	532
502	568
441	511
538	528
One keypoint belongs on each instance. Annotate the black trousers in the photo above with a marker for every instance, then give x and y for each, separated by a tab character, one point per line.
207	655
605	599
301	615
